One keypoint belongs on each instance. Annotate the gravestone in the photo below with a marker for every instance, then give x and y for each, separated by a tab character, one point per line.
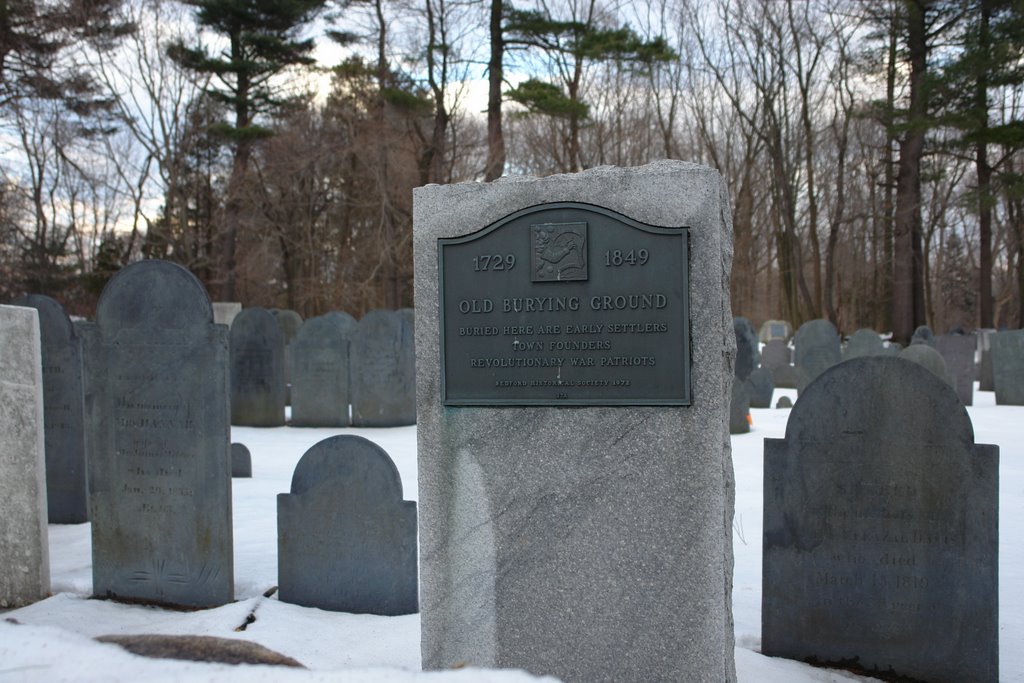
784	402
346	539
816	349
923	335
224	312
290	322
739	408
985	382
24	547
863	342
571	424
958	352
160	473
320	371
241	461
925	354
382	371
880	528
761	387
67	491
775	330
748	353
257	370
1008	367
776	354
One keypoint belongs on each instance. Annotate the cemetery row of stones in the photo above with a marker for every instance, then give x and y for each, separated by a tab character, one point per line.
157	478
995	359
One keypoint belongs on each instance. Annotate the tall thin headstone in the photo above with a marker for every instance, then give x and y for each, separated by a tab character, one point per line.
383	371
815	349
958	352
67	491
320	371
1008	367
985	382
24	548
880	528
257	370
346	539
160	472
553	319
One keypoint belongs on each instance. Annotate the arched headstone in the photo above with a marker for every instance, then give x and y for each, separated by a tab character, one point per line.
863	342
159	474
816	349
880	528
257	370
320	371
67	490
926	355
241	461
383	370
346	539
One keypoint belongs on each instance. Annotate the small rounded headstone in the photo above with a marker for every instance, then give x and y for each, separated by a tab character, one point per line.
923	335
761	387
784	402
241	461
926	355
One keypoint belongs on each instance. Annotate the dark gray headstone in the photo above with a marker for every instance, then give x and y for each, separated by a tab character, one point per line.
1008	367
346	539
863	342
67	492
748	353
880	528
289	321
815	350
926	355
923	335
784	402
160	473
776	354
383	370
739	408
320	371
257	370
958	352
761	387
241	461
985	382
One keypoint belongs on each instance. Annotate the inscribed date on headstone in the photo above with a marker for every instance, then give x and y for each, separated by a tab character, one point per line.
565	304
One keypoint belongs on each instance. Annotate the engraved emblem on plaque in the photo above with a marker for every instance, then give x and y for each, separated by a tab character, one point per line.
559	252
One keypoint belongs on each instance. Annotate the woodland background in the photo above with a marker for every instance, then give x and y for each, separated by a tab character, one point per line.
874	150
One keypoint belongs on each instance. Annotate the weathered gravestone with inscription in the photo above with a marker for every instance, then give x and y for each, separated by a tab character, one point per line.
346	540
880	528
1008	367
958	352
320	371
67	492
257	370
815	349
863	342
24	548
159	472
574	470
382	370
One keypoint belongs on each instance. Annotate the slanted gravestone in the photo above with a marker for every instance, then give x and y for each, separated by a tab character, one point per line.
958	352
926	355
241	461
257	370
985	382
553	319
739	408
224	312
816	349
748	353
24	549
863	342
320	371
160	473
346	540
880	529
1008	367
67	492
923	335
761	387
382	371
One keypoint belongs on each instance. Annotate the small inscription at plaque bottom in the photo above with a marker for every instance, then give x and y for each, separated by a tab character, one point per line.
565	304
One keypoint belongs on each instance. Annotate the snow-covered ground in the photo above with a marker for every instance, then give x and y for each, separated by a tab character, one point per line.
53	639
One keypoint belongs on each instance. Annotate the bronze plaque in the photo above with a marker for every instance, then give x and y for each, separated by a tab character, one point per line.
565	304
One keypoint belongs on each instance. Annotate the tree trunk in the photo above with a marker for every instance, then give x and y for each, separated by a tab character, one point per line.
495	75
984	171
